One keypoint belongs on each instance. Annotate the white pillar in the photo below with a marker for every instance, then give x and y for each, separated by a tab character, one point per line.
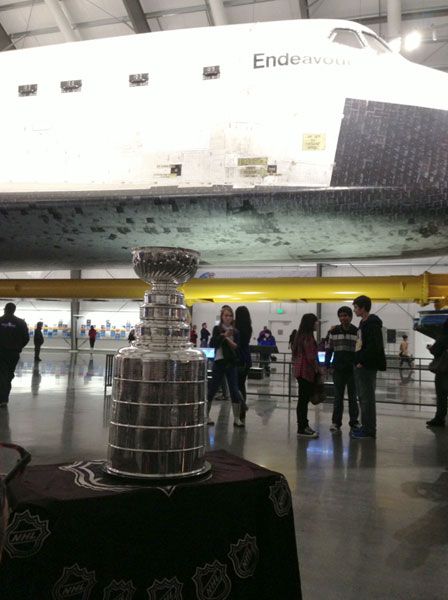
218	12
61	20
394	21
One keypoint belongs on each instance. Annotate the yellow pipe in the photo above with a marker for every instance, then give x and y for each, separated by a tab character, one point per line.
420	289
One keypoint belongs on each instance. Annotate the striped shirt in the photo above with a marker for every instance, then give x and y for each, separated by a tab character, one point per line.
342	343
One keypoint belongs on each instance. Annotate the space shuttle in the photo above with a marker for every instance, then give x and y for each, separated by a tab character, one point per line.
269	142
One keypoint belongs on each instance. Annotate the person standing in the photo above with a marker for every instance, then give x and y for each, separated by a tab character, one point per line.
194	335
441	380
369	359
225	339
243	324
92	336
306	370
14	336
291	338
404	354
205	334
38	339
341	347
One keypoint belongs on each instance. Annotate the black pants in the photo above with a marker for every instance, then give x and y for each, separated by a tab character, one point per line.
37	351
242	377
441	382
305	392
92	342
8	362
344	379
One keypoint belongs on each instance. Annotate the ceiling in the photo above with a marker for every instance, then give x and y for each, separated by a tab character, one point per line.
30	23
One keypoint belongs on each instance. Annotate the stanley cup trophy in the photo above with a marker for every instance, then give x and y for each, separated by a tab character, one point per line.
157	428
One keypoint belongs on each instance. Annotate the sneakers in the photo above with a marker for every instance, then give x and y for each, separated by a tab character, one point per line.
210	423
360	434
335	428
355	427
432	423
307	433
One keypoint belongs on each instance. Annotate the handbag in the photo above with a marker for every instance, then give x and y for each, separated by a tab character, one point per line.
439	365
318	396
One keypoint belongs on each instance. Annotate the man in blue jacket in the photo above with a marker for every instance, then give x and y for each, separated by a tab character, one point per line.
369	359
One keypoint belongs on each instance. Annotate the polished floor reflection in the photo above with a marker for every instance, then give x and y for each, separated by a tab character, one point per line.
371	517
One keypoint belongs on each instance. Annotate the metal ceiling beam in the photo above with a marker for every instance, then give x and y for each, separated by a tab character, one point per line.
413	15
137	16
6	42
415	288
62	22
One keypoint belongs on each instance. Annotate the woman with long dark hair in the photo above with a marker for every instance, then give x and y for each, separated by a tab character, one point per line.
306	368
243	324
225	339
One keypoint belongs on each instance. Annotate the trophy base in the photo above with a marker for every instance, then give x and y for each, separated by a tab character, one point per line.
169	479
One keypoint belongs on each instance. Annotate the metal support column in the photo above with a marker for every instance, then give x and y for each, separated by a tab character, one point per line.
394	21
217	12
62	22
74	313
319	307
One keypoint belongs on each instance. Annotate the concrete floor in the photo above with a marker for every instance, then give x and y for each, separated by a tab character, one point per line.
371	517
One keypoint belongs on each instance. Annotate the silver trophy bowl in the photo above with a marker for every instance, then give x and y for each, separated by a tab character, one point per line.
158	427
165	265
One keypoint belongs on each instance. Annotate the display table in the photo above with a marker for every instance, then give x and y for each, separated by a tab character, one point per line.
81	535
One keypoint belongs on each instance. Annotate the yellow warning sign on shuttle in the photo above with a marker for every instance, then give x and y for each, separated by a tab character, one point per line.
314	141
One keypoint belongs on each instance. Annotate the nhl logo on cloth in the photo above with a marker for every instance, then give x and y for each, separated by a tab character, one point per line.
244	556
75	583
25	535
119	590
212	582
167	589
281	497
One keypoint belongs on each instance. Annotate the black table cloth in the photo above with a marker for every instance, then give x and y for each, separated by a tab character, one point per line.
79	534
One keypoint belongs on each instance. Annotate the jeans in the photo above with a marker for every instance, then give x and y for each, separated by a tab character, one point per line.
441	382
365	380
37	351
221	370
342	379
305	392
8	362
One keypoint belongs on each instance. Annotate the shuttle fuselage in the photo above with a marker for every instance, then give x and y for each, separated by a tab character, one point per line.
274	141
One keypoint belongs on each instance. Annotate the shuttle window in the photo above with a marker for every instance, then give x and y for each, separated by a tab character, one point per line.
28	90
346	37
138	79
71	85
376	43
211	72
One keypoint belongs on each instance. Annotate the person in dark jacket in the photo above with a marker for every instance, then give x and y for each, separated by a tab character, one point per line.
205	334
14	336
369	359
441	380
225	339
341	347
92	336
243	324
38	339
